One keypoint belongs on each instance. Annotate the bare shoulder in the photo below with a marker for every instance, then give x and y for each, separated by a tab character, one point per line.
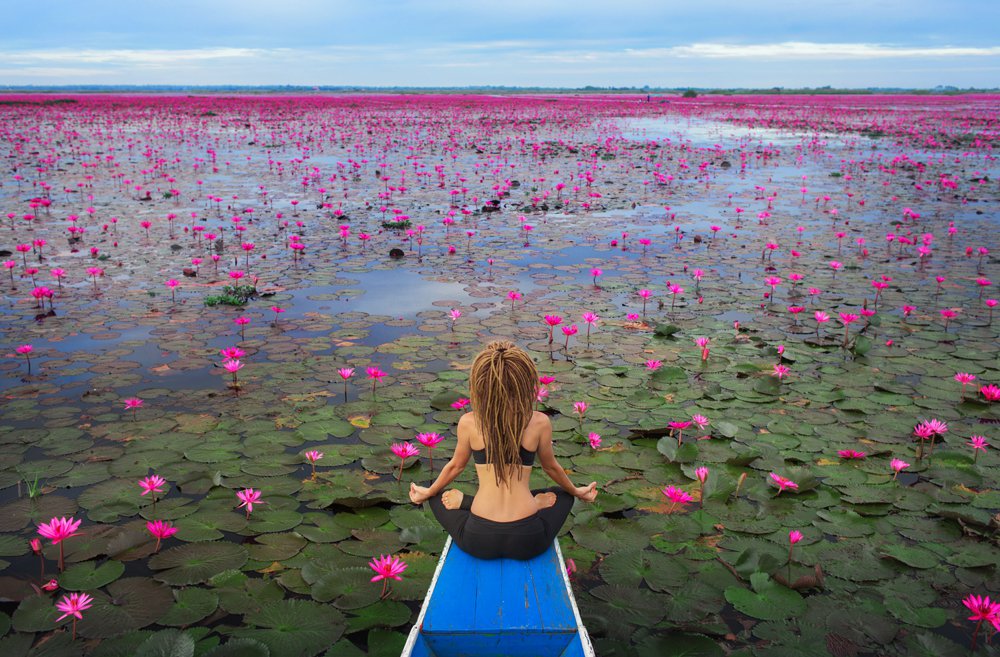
540	420
539	431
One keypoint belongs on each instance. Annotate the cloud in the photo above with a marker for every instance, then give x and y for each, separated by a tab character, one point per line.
133	57
809	50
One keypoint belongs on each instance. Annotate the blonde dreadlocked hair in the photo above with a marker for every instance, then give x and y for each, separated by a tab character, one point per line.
503	385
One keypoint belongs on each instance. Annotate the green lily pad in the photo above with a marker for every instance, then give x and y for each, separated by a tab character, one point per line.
384	613
608	536
130	604
294	628
190	606
20	513
624	606
630	568
168	643
915	557
929	617
36	613
767	601
88	575
975	556
678	645
197	562
240	648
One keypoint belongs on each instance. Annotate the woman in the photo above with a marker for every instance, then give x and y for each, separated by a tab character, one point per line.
503	434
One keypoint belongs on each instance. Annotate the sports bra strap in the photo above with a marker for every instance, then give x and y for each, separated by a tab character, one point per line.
527	458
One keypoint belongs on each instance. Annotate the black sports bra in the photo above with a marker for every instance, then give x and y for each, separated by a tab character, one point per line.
527	458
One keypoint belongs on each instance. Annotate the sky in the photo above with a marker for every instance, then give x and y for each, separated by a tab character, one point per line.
549	43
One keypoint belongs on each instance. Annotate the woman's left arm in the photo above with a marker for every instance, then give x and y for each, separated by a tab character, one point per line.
453	468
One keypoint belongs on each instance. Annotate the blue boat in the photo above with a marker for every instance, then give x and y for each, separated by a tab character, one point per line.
499	608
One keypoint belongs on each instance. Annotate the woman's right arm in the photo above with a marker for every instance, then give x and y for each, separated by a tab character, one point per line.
453	468
552	468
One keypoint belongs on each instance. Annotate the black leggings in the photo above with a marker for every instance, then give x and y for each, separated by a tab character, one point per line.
520	539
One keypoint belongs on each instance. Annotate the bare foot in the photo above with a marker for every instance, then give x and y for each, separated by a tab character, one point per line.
452	498
545	500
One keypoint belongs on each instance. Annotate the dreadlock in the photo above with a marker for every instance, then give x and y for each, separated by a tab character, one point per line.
503	385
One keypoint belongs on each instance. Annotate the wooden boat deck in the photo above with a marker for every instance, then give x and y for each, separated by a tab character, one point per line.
500	607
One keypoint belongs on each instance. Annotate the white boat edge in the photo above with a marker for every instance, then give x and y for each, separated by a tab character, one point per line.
588	647
411	640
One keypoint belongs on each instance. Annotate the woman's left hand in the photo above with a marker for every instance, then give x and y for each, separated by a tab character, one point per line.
419	494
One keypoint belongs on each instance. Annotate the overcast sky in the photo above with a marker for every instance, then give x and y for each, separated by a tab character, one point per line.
670	43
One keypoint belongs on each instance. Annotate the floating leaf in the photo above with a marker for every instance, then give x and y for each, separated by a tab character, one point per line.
297	628
36	613
929	617
190	606
87	575
384	613
130	604
914	557
168	643
240	648
767	601
630	568
197	562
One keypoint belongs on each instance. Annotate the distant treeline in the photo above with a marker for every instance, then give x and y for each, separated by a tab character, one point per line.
303	89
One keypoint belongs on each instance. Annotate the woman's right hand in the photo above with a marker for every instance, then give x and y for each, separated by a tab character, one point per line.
587	493
419	494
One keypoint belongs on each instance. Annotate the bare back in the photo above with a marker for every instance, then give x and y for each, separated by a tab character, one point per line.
513	500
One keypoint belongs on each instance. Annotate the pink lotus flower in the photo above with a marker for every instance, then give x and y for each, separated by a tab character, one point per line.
794	537
982	610
645	294
676	496
513	296
699	421
990	392
783	483
965	379
780	371
71	605
233	366
161	529
553	321
376	375
249	497
460	404
58	530
701	473
232	353
851	454
898	465
546	379
703	343
152	484
570	331
387	568
133	403
594	439
653	365
580	408
25	350
404	451
978	444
